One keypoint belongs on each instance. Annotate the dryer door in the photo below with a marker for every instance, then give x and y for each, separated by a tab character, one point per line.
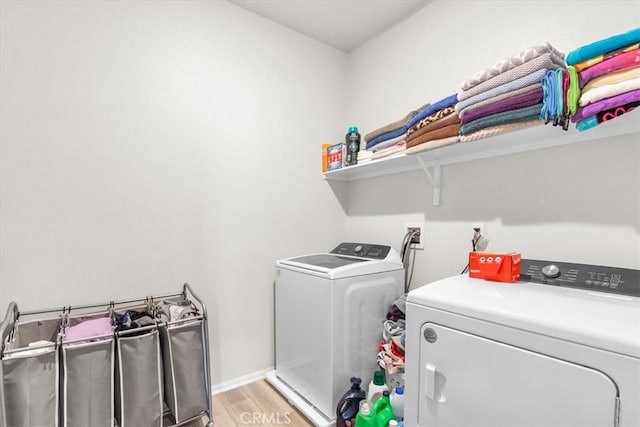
468	380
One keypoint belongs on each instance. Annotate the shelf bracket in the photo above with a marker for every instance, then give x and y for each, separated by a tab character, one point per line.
434	179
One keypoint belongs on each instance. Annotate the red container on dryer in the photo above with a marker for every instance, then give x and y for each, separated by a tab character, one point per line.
495	266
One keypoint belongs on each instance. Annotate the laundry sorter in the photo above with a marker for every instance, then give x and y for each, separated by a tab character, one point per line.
125	363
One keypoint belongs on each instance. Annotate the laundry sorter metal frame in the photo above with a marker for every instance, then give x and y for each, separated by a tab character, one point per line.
176	375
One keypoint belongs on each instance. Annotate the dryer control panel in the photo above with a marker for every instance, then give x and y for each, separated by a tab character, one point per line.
364	250
621	281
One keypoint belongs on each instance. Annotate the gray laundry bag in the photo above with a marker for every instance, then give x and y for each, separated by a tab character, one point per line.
88	382
30	375
138	397
185	375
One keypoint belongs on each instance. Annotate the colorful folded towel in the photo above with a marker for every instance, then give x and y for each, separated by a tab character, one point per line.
611	78
433	108
561	93
445	132
387	143
547	61
620	62
522	114
519	101
573	92
396	149
598	93
450	119
606	115
497	98
509	63
431	119
602	46
386	136
598	59
533	78
393	126
605	104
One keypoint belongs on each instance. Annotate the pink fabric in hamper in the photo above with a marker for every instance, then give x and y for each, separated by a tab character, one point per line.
88	329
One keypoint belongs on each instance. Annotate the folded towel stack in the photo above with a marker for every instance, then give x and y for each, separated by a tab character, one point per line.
434	126
395	146
608	73
507	96
389	139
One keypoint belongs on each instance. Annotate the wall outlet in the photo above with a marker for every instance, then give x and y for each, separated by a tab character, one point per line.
418	240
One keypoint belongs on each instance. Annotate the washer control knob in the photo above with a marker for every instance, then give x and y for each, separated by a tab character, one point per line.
551	271
358	250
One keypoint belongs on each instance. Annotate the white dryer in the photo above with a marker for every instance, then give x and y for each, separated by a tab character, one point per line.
329	311
560	348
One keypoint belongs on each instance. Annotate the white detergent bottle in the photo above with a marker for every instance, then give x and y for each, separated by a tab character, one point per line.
397	402
376	387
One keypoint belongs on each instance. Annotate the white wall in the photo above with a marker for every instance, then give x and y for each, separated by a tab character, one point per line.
575	203
145	144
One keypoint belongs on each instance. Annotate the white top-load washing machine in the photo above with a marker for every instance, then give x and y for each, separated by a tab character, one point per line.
560	348
329	311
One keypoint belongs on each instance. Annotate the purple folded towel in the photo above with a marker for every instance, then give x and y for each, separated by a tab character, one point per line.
531	97
605	104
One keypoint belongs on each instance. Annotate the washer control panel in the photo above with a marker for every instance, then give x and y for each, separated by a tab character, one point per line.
622	281
363	250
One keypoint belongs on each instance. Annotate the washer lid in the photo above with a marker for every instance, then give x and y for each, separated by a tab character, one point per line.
597	319
337	264
327	260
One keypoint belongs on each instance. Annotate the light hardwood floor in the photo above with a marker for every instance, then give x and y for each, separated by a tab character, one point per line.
255	404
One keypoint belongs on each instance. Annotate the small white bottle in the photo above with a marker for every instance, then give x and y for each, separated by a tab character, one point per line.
397	402
376	387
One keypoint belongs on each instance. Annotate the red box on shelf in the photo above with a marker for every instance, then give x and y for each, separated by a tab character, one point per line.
495	266
335	156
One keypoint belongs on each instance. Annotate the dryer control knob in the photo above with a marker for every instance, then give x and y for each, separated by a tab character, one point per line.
551	271
358	250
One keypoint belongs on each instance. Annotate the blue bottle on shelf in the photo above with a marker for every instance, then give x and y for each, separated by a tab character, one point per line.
352	141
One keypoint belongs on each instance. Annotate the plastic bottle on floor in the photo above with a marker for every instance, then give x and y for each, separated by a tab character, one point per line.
397	402
365	417
376	387
349	404
382	409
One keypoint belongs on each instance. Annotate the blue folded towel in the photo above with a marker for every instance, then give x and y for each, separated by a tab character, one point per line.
603	46
433	108
386	136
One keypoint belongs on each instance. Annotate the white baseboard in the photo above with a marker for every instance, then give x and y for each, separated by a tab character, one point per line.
308	410
238	382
